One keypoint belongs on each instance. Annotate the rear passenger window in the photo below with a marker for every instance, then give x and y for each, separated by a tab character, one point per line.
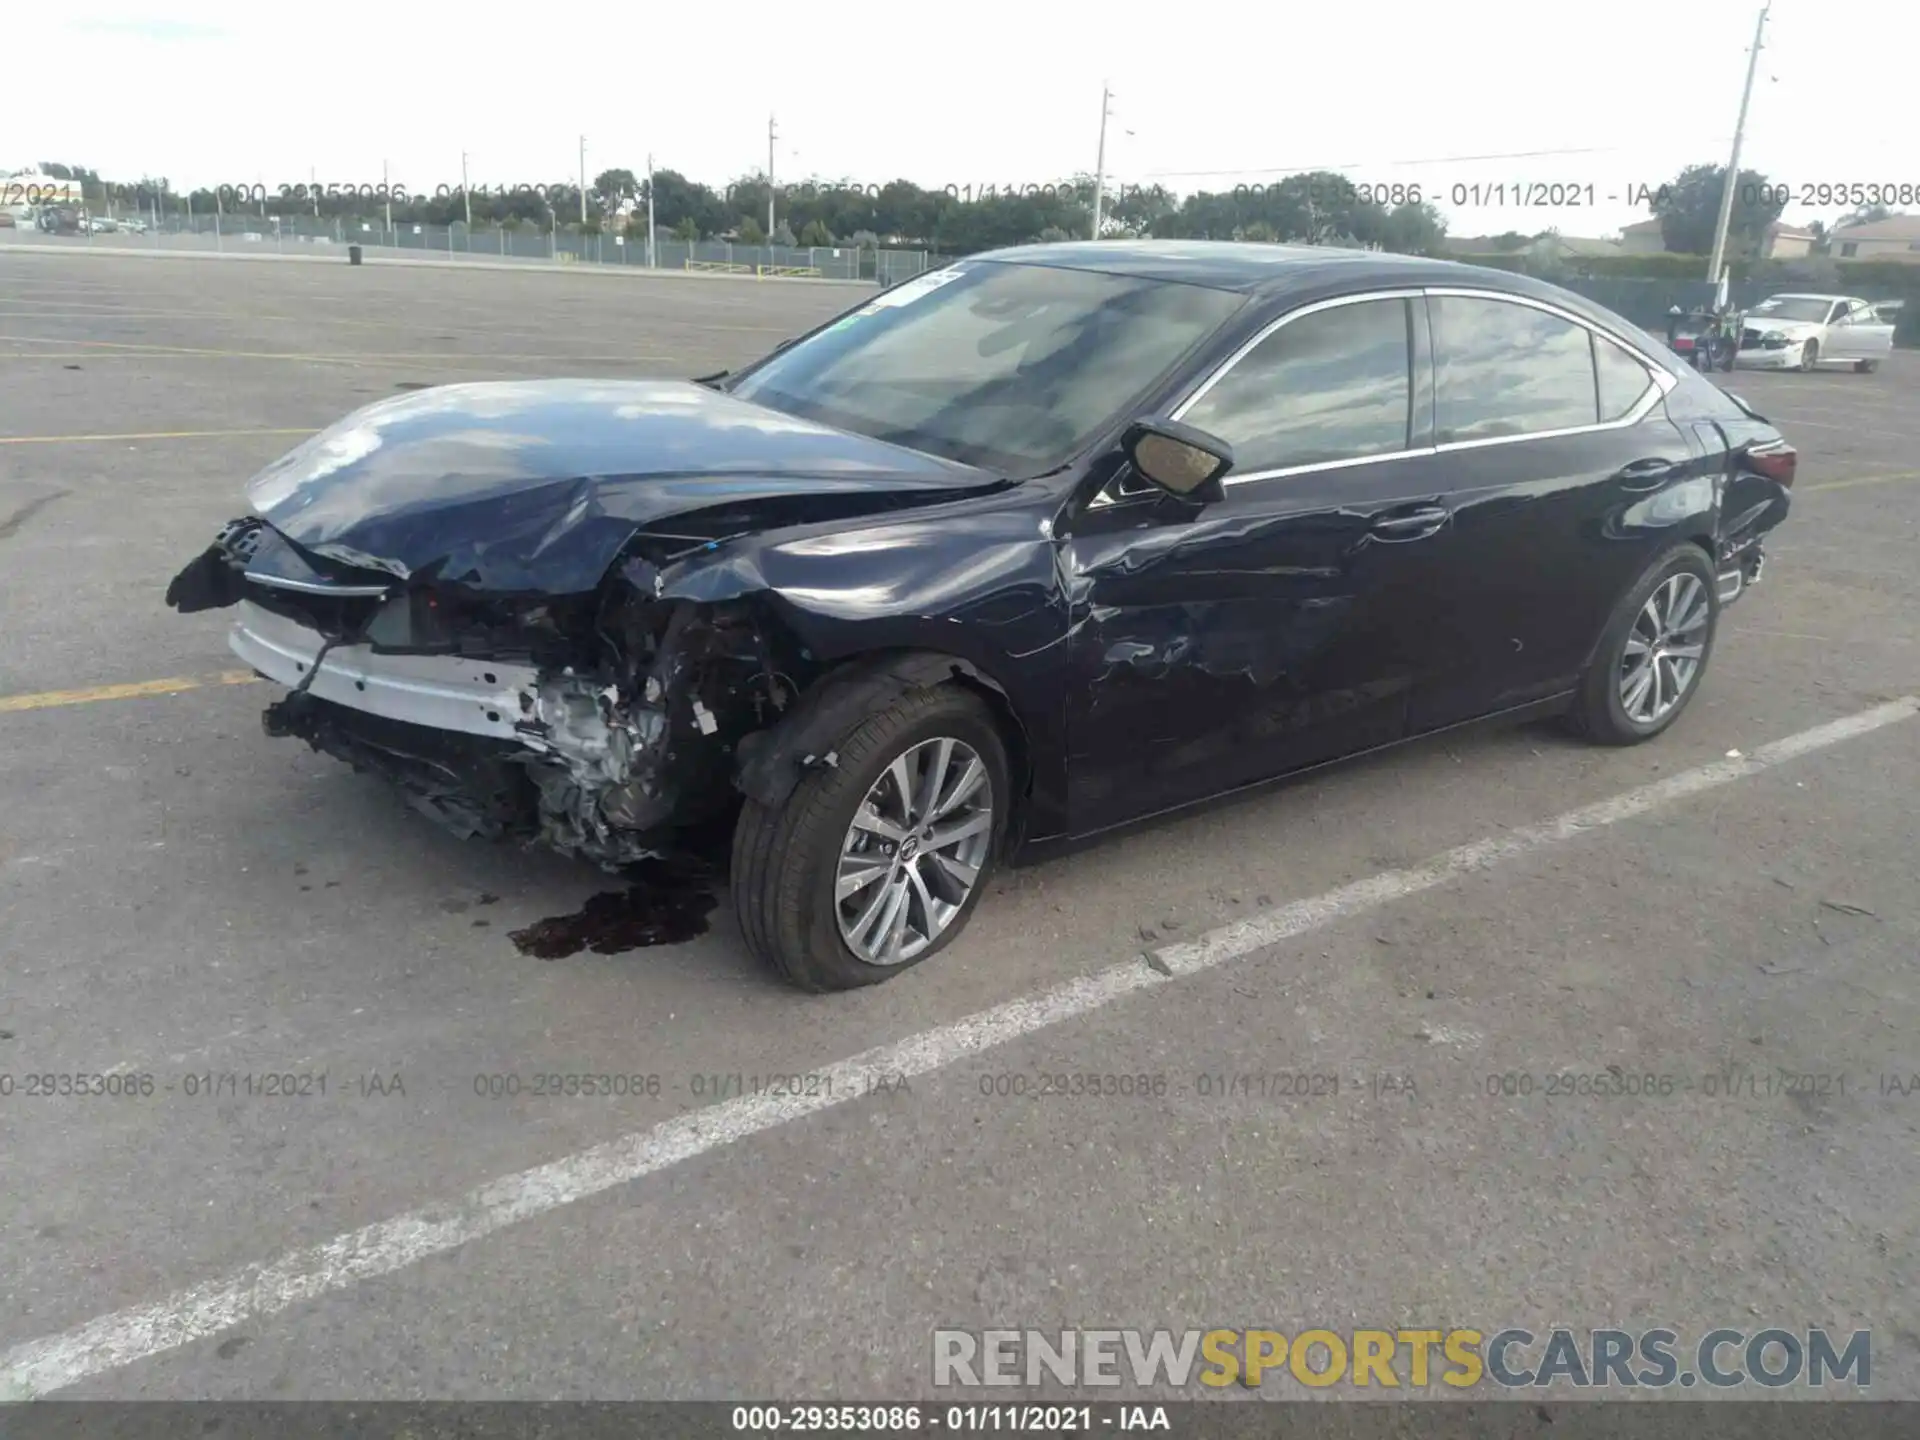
1506	369
1333	385
1623	380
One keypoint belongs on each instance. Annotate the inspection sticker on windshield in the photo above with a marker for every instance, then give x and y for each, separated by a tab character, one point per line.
909	291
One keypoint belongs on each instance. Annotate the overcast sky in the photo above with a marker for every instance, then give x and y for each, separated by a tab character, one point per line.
210	92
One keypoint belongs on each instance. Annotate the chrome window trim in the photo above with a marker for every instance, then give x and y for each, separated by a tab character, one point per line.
1662	383
1260	337
1662	376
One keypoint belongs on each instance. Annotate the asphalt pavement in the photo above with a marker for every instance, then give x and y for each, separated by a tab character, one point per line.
1336	1111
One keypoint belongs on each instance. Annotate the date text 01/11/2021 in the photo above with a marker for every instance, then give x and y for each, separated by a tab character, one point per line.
911	1418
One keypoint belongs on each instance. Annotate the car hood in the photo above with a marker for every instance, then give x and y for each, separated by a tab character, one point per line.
1796	328
535	486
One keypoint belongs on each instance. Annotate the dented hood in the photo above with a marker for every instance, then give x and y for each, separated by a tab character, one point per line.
536	485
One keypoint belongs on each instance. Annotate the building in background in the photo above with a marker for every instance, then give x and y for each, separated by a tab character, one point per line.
1895	238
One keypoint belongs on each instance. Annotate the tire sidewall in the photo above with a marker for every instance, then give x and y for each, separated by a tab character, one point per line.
968	721
1689	559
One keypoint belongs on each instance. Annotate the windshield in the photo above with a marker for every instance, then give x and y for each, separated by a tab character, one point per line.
1793	307
1008	367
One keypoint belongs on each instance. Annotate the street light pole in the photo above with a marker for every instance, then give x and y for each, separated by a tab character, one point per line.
387	190
1100	162
770	135
1733	165
465	195
650	264
583	183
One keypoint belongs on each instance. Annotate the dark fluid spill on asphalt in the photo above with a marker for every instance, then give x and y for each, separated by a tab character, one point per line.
665	903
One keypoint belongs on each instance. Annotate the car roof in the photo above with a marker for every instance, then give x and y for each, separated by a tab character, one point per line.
1305	273
1246	266
1806	295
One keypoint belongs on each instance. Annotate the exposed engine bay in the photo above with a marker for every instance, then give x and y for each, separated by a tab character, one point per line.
605	725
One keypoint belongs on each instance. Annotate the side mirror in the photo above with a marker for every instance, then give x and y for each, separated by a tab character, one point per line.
1180	459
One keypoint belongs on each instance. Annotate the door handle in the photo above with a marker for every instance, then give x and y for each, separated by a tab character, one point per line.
1415	524
1646	474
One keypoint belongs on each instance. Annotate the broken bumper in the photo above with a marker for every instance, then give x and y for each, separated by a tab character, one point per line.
475	697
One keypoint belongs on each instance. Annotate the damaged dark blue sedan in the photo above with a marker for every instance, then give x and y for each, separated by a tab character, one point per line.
1043	543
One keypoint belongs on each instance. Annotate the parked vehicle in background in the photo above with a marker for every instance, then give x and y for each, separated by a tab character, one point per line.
101	225
1805	332
1705	337
1045	543
58	220
134	225
7	221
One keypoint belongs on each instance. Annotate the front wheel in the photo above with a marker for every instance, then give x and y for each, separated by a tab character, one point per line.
1654	653
1809	355
875	862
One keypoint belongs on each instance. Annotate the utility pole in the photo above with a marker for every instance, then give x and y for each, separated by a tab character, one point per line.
650	212
1100	162
583	183
770	135
464	194
387	190
1733	165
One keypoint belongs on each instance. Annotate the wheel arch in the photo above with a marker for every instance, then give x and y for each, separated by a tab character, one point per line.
771	762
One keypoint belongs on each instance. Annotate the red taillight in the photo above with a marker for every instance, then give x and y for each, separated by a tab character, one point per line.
1776	460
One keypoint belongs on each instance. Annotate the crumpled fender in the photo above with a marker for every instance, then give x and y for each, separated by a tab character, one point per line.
773	761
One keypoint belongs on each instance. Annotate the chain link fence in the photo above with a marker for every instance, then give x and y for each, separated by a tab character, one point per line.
313	234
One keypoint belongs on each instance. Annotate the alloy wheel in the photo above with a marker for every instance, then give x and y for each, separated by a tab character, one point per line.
914	851
1664	649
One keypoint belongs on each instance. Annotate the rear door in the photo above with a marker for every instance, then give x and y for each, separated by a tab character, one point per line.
1564	472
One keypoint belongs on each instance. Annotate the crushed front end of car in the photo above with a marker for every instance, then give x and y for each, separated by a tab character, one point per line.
603	725
462	590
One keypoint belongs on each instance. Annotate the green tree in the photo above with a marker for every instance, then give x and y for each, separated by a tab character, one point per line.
687	230
815	234
613	189
749	232
1688	208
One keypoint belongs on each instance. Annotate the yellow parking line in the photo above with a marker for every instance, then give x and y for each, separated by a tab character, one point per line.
48	699
144	435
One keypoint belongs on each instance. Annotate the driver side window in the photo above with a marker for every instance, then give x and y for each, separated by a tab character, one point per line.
1332	385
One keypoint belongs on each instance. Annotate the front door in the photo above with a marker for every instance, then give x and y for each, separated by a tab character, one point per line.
1217	645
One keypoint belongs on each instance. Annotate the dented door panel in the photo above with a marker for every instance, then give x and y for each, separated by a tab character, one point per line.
1268	632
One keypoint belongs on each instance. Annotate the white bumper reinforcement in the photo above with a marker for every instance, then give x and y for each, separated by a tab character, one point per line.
443	692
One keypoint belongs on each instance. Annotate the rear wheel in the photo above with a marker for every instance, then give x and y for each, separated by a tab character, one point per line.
1654	654
1866	367
875	863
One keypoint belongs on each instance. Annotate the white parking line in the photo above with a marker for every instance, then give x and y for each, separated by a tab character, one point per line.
56	1361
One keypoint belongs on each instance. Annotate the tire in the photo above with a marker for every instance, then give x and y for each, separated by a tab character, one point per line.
1600	712
786	859
1809	356
1866	367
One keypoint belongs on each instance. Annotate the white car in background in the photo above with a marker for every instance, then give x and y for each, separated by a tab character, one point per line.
1805	332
